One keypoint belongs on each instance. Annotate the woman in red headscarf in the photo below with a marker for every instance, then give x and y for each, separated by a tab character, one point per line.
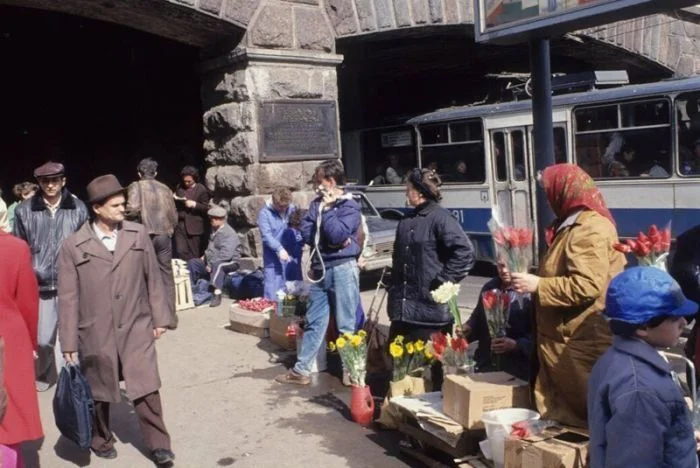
569	293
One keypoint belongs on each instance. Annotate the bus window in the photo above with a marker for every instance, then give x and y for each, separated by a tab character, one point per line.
518	149
465	131
596	118
688	128
458	163
639	147
499	155
559	145
434	134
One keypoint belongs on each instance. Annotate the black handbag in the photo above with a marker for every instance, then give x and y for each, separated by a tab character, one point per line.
73	407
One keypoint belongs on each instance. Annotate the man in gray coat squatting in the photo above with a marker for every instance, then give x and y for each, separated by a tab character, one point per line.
112	309
221	256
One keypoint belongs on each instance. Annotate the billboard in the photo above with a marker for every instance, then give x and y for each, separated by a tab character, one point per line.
512	21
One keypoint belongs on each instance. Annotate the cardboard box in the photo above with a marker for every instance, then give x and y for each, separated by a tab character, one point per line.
466	398
559	447
278	331
249	322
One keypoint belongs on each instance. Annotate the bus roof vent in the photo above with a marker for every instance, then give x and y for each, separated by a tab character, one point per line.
586	81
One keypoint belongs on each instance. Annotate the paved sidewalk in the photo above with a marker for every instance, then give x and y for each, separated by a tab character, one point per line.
223	408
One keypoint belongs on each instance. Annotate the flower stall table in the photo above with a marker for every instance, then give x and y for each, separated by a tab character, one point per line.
424	422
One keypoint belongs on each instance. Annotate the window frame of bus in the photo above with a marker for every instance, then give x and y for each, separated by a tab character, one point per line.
625	129
676	135
451	142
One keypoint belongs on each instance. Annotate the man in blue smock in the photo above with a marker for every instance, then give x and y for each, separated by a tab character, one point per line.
272	221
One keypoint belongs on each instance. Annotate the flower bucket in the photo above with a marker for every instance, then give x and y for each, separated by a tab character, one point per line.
361	405
498	425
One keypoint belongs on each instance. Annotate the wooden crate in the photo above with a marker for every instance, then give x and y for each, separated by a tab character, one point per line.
183	293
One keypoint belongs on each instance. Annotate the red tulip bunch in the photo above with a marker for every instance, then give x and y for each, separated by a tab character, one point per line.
496	304
449	350
651	249
513	246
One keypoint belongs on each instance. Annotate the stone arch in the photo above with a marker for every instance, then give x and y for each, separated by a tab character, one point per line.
201	23
670	40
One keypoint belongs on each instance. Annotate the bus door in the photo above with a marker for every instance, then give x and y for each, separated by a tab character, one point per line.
511	176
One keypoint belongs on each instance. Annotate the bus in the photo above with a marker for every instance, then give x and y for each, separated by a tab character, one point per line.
640	143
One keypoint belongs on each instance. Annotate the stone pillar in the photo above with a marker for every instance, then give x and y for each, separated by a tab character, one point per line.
233	87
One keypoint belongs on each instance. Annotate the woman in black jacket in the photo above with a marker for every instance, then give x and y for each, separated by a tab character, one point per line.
430	249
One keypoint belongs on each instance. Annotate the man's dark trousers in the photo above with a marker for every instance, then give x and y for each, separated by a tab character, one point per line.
163	245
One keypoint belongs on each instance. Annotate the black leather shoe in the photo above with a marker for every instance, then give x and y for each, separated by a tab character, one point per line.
109	453
162	456
215	301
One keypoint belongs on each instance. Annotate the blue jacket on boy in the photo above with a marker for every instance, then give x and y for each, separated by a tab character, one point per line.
637	416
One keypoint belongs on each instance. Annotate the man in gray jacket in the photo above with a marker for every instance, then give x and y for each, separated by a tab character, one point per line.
221	256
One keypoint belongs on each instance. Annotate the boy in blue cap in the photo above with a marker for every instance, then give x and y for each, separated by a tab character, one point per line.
636	412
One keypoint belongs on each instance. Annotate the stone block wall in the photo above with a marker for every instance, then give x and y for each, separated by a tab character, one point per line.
232	91
669	40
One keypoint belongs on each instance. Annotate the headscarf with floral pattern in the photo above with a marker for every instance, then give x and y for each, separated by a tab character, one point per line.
569	189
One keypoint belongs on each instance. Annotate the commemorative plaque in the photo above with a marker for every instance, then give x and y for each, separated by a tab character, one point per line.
295	130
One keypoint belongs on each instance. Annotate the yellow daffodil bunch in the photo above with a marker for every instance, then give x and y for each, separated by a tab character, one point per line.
409	357
353	352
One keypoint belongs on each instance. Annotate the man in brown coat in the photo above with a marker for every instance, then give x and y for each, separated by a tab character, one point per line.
112	311
151	203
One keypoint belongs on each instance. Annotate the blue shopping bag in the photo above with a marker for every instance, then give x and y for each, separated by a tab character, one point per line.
73	407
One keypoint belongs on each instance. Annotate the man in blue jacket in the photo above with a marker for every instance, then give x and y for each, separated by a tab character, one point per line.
331	227
272	221
636	412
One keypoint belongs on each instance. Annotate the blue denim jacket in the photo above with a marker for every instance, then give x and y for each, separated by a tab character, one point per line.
637	416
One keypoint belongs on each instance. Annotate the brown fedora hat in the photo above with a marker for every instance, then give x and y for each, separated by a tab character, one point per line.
103	187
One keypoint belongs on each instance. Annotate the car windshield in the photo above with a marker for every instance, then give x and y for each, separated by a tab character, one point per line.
367	208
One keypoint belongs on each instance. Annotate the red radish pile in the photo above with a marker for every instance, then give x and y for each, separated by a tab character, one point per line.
257	304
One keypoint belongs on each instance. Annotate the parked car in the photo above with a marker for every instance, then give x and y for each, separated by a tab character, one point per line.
379	244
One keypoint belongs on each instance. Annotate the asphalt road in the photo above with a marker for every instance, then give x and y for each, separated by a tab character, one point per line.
223	408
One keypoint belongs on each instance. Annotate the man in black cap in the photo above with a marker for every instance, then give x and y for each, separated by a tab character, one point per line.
44	222
221	256
113	309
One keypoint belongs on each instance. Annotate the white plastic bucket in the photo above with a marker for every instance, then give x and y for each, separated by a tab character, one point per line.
498	425
320	363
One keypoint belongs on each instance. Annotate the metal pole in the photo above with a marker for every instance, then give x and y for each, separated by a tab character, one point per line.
543	130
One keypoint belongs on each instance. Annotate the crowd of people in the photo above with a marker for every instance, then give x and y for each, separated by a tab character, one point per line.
583	331
90	283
